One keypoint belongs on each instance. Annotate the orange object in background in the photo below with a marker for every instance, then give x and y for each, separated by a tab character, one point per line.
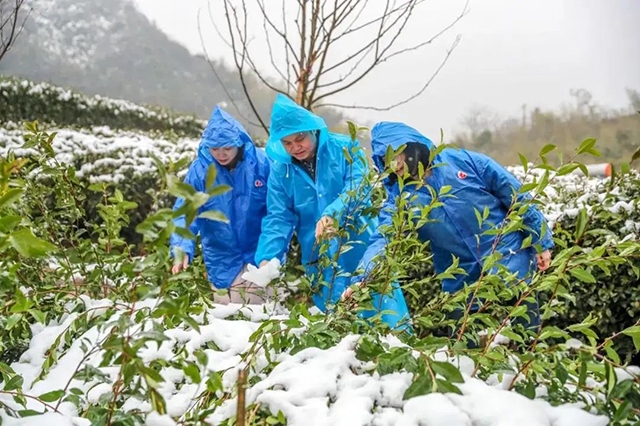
597	170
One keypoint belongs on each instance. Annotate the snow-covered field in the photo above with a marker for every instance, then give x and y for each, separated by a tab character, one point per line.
312	387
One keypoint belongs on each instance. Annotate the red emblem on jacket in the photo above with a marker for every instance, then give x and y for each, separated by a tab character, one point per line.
462	175
259	183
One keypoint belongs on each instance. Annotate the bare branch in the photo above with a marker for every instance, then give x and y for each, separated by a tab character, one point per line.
282	34
310	50
215	26
215	73
301	68
286	43
271	58
373	21
324	57
240	63
378	55
12	19
465	10
410	98
366	48
463	13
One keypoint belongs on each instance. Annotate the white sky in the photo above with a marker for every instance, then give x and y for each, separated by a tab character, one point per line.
512	52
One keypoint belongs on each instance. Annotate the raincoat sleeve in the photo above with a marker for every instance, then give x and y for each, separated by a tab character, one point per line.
354	174
503	185
377	242
278	224
194	178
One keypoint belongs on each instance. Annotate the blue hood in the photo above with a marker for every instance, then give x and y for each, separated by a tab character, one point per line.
393	134
222	131
288	118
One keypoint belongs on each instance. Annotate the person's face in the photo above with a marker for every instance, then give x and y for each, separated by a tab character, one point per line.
299	145
399	165
224	155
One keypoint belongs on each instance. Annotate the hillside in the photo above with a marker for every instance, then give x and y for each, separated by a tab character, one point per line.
108	47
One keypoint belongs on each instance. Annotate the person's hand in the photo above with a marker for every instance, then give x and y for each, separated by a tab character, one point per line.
544	260
324	226
348	294
180	266
263	263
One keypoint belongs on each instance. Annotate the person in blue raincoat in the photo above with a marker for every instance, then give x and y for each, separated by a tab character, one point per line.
308	186
227	247
477	182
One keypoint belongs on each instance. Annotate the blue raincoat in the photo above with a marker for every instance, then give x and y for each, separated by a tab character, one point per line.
296	202
227	247
477	182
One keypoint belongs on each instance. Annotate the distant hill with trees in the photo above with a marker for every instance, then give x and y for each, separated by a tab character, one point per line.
617	131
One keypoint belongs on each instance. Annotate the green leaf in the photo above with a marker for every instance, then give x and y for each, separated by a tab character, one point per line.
561	374
584	169
212	173
551	331
27	413
519	311
542	184
581	224
636	155
218	190
28	245
178	188
10	197
567	168
547	149
353	130
525	162
586	145
583	275
7	223
478	217
51	396
611	353
447	387
448	371
216	215
22	303
214	383
621	389
634	333
445	189
14	383
192	371
421	386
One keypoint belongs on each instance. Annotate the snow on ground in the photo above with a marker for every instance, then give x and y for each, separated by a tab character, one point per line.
311	387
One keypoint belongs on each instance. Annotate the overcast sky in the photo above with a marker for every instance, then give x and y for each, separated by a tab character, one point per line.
512	52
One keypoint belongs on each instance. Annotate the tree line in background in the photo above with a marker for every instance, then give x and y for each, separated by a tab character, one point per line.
617	131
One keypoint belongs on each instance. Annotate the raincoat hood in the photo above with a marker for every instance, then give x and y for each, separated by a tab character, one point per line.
222	131
288	118
388	133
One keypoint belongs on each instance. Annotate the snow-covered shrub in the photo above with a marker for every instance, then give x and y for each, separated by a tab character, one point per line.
24	100
104	156
113	338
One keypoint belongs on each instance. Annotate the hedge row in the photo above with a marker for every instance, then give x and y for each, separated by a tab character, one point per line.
24	100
